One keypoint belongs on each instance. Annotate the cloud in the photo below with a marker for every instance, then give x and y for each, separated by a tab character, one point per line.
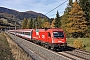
40	6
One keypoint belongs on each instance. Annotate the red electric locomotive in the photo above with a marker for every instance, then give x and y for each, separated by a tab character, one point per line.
50	38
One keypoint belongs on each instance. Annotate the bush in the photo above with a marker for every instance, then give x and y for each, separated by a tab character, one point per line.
79	44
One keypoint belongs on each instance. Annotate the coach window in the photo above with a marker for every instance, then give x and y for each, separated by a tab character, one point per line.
49	34
27	33
22	32
30	33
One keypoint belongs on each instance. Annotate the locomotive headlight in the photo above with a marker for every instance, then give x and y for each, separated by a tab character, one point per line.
59	41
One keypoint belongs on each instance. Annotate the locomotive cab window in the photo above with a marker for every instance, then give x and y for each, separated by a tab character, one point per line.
58	34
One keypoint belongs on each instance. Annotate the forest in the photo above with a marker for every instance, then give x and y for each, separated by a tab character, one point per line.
75	21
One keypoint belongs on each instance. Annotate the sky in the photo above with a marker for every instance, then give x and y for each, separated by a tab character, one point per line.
39	6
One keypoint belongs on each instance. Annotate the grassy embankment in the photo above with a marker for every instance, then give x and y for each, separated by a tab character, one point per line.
5	53
85	41
12	50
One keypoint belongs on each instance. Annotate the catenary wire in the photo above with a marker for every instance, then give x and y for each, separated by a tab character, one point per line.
56	7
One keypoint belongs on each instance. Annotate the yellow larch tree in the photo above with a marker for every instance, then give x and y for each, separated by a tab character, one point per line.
77	24
46	25
24	23
52	24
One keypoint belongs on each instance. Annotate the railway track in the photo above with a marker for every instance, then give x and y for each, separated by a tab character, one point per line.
84	55
21	44
40	53
79	53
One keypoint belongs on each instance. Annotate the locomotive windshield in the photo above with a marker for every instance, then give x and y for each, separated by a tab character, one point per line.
58	34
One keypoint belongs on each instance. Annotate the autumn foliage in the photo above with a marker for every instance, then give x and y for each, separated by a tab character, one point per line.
78	44
76	25
73	21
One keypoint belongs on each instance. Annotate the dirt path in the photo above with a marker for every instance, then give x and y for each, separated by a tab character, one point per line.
17	52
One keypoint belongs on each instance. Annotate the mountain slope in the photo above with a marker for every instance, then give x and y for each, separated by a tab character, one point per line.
9	16
20	15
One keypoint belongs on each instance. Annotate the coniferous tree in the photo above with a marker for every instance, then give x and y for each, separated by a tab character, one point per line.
45	23
28	24
57	20
77	24
70	2
64	18
24	23
33	23
36	23
68	9
85	5
52	24
64	21
39	22
45	19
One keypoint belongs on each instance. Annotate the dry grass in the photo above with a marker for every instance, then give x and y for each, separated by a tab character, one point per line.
17	52
5	53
